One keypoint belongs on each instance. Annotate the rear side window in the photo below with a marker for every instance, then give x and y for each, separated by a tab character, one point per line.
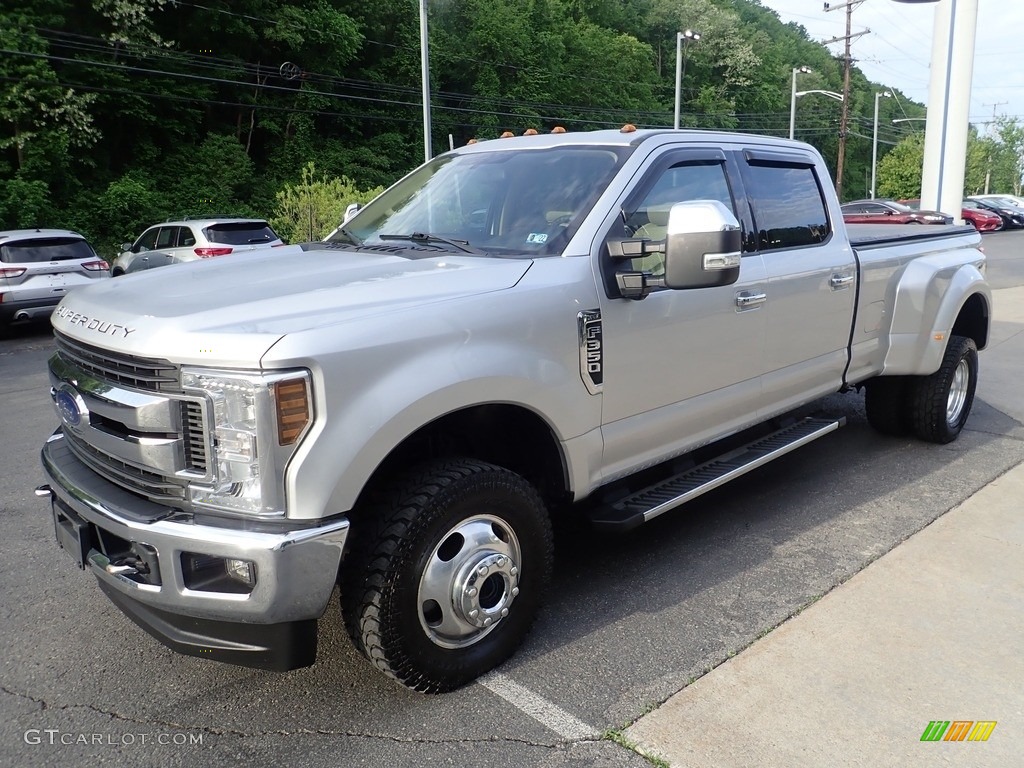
789	209
241	233
46	249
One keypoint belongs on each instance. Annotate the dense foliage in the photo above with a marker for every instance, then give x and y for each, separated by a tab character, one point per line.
117	113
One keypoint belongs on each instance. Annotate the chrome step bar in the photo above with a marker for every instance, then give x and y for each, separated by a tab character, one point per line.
647	504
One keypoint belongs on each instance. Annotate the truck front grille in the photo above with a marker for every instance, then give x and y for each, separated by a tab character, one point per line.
140	430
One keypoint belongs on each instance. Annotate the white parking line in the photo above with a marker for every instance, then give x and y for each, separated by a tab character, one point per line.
549	715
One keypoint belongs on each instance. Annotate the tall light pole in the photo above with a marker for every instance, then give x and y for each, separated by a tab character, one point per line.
425	68
792	98
682	39
874	142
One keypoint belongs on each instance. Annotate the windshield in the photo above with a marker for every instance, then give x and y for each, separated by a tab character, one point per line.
900	207
521	202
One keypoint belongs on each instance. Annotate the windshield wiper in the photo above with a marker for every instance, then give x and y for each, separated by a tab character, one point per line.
427	238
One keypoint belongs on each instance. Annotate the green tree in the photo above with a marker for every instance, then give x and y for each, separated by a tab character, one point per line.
310	209
899	172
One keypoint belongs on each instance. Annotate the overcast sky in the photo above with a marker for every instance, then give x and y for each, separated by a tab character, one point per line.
898	50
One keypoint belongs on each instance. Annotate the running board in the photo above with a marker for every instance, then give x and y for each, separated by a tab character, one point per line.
645	505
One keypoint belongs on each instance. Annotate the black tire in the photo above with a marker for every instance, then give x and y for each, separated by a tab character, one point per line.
887	406
413	597
941	403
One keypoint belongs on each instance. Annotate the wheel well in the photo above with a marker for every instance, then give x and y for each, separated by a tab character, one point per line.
972	321
509	436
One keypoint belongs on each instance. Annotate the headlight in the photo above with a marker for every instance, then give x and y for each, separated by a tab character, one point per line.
257	421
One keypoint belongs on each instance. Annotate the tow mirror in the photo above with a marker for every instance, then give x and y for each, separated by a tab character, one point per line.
703	245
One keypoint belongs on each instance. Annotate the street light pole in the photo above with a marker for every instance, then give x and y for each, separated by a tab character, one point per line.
874	142
686	36
792	99
425	68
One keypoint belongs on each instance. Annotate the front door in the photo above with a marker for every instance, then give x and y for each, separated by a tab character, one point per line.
680	366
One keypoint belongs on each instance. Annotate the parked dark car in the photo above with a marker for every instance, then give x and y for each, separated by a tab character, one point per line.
1012	216
981	219
889	212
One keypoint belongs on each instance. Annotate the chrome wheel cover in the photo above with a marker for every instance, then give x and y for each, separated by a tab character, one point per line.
958	393
469	582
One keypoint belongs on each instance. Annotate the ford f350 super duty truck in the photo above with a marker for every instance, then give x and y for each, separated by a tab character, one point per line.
609	322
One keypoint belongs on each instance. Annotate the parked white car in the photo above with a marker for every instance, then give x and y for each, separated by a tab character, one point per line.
174	242
37	269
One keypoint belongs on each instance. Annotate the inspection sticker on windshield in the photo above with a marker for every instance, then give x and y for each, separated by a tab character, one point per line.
537	237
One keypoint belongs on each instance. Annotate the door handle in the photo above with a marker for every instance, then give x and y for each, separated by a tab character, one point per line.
840	281
744	300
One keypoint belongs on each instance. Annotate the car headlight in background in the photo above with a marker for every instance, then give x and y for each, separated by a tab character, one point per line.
257	421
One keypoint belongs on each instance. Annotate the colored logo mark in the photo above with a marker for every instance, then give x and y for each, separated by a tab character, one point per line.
958	730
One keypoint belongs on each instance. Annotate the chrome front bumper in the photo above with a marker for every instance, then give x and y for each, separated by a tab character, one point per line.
296	570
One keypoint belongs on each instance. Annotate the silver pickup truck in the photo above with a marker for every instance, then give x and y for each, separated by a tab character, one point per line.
610	323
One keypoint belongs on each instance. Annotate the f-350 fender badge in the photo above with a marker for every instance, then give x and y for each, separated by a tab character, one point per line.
591	350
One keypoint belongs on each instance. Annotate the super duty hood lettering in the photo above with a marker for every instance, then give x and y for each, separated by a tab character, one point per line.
93	323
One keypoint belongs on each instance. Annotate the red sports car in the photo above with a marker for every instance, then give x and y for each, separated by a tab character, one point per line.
889	212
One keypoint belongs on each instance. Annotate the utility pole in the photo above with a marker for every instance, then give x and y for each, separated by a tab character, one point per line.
847	62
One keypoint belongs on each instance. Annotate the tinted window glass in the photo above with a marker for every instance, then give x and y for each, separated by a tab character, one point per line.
241	233
46	249
185	238
788	207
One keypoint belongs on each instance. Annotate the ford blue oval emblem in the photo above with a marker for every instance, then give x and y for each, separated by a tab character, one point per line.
69	406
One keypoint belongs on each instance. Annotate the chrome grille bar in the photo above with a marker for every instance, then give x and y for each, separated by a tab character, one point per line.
141	372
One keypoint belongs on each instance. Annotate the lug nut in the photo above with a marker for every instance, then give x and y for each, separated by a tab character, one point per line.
487	621
471	591
515	591
474	613
513	570
504	612
482	570
500	562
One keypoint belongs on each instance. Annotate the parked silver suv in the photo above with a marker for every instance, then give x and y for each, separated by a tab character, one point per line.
37	269
174	242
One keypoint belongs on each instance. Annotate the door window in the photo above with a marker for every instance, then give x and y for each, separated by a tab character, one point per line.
166	237
789	209
681	182
147	242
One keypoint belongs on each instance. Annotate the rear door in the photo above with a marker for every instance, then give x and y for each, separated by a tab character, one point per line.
812	274
680	367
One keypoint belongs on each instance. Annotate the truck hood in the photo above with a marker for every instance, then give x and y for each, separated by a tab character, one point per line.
230	311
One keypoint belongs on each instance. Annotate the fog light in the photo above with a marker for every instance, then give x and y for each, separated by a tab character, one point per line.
241	570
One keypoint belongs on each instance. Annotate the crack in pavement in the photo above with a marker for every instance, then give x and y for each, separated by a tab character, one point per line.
221	731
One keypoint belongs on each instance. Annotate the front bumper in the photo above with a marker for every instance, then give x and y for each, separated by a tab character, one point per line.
272	625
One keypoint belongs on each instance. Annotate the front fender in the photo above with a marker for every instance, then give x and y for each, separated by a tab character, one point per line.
929	297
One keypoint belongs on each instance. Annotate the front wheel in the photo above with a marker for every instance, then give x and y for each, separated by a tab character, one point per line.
941	403
446	579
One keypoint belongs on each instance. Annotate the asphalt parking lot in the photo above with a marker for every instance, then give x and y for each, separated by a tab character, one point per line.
630	620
